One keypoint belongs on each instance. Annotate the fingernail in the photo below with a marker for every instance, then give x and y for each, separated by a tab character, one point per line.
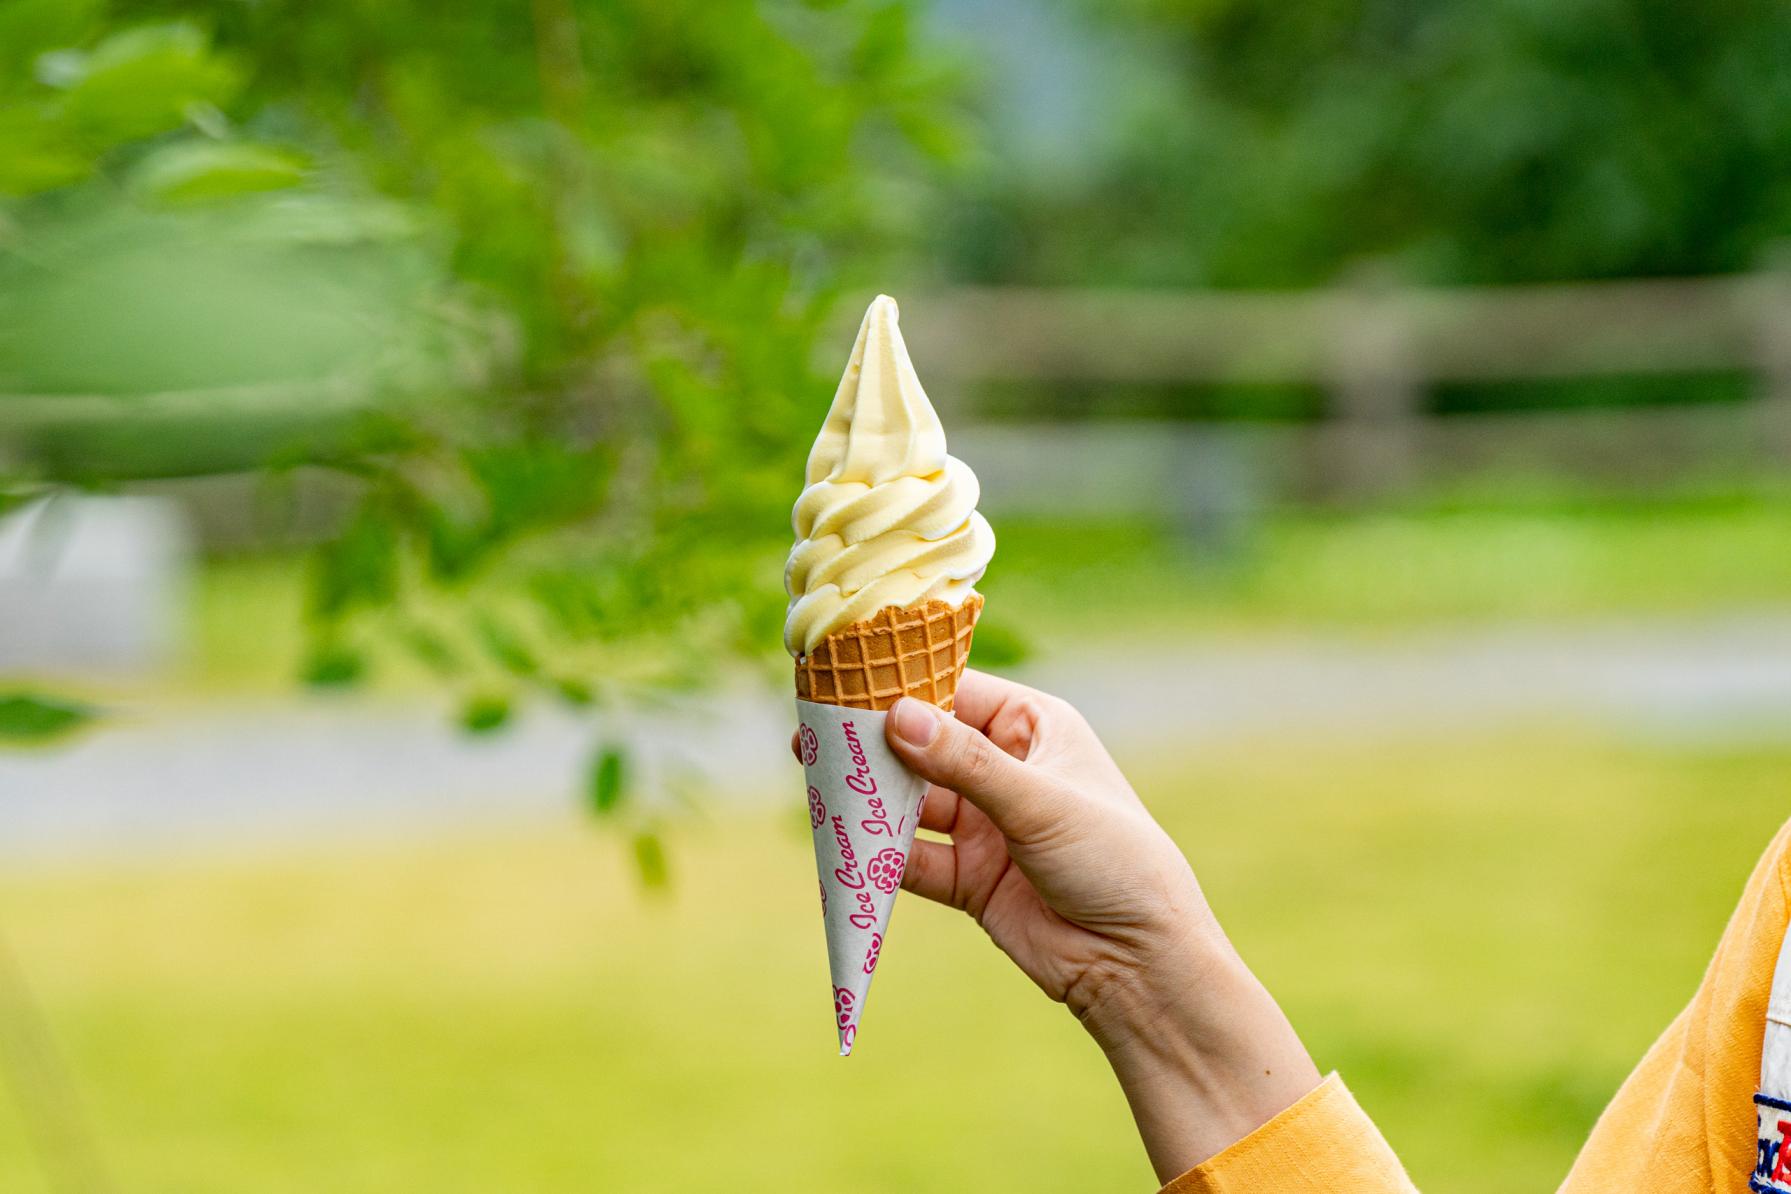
915	721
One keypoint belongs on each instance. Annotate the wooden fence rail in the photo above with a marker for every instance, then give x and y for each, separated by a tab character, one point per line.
1481	334
1374	348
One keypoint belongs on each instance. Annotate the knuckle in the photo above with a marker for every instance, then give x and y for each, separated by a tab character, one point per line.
1032	707
973	761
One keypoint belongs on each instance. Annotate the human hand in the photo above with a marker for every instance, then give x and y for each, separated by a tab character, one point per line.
1054	855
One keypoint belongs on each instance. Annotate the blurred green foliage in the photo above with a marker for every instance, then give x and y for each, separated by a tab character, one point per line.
1473	141
86	97
647	200
610	233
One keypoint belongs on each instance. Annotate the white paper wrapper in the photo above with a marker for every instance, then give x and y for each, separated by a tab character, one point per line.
863	806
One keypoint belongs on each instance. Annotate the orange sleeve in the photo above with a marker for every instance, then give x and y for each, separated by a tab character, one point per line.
1682	1122
1323	1142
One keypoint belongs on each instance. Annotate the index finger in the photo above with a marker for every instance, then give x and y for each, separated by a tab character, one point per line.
981	697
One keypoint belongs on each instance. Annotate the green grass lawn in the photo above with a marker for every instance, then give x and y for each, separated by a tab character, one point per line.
1385	571
1482	933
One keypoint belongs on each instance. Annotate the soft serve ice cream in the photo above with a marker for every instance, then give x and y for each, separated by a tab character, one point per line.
883	605
887	517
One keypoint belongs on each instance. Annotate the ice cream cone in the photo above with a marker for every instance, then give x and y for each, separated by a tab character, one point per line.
889	547
916	651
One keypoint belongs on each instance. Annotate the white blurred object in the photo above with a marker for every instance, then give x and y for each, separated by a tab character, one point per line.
92	584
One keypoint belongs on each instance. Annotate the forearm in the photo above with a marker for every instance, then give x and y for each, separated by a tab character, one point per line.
1204	1056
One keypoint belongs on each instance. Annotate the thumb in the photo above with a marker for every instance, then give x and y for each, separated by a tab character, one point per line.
1022	801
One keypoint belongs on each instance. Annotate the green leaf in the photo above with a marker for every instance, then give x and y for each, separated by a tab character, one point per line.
650	860
359	568
432	650
29	719
455	548
332	665
141	81
485	713
207	171
574	691
505	647
609	781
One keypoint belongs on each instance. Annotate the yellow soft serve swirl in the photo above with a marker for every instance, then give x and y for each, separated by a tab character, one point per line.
887	516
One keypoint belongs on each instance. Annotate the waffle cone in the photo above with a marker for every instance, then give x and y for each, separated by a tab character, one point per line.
911	650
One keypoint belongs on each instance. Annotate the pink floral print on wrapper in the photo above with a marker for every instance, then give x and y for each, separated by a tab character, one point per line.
871	954
811	745
885	870
817	812
843	1007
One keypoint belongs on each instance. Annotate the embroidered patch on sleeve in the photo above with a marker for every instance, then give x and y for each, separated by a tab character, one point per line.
1772	1163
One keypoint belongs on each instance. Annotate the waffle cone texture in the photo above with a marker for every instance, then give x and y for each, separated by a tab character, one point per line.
909	650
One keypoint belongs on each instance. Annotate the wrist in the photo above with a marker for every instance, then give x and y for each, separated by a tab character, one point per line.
1166	978
1202	1052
